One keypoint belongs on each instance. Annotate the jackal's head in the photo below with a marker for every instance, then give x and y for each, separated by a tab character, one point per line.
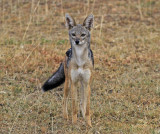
79	34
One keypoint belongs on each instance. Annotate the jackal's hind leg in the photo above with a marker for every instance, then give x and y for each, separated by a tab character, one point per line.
65	98
88	118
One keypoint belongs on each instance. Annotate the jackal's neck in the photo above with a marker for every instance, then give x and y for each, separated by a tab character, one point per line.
80	54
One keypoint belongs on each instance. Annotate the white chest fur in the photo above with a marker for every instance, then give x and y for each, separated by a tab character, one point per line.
80	74
80	59
80	55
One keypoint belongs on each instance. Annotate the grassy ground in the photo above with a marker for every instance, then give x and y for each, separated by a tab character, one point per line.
126	87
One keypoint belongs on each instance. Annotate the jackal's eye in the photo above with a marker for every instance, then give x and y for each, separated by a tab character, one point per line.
82	35
73	34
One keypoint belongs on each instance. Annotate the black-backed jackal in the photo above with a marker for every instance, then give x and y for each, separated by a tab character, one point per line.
76	68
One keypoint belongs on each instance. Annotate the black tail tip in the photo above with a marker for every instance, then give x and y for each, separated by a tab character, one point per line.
55	80
44	88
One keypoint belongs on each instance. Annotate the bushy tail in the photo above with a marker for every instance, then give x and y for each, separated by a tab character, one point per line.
55	80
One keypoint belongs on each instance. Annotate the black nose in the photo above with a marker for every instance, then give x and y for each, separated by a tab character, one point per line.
77	42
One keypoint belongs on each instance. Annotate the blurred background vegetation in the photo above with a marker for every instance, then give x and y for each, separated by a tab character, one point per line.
126	45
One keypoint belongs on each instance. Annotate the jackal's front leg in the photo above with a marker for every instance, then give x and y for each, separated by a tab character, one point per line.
74	102
85	102
82	103
88	94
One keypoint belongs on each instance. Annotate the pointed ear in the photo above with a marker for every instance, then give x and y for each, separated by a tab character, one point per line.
88	22
70	22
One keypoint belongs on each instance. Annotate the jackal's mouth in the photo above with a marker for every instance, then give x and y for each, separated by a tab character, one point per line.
79	42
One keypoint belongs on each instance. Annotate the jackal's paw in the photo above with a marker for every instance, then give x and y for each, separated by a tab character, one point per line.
65	116
74	119
89	123
83	111
88	120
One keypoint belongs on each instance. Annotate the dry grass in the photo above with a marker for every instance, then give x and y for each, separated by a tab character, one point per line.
126	86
